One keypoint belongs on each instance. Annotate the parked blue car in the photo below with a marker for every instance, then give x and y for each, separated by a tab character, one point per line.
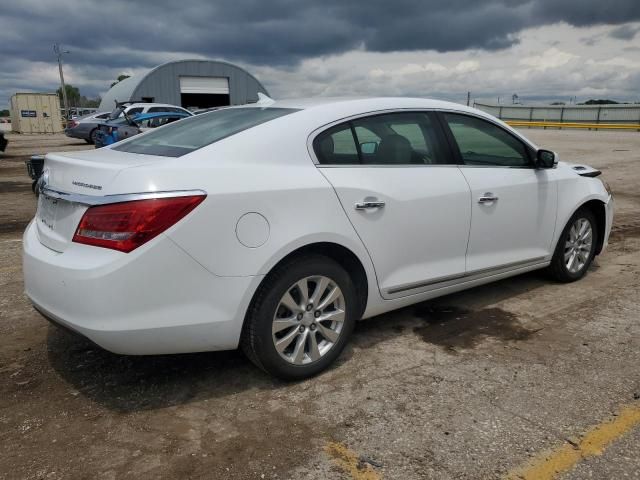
112	131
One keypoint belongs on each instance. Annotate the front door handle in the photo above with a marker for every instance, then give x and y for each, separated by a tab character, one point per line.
366	205
488	198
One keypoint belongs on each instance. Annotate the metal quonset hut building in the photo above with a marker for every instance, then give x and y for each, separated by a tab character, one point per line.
188	83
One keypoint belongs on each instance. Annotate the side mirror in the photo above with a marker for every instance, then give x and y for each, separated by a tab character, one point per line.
546	159
369	148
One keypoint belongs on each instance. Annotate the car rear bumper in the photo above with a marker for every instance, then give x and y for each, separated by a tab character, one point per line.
74	133
154	300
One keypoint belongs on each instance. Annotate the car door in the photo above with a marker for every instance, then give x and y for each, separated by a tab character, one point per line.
513	203
411	208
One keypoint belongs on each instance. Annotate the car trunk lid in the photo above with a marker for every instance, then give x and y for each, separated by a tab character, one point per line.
68	181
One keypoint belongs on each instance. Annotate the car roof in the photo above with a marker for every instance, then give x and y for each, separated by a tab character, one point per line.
322	109
147	104
368	102
314	113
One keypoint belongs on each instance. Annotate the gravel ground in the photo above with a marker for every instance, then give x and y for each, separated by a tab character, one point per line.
472	385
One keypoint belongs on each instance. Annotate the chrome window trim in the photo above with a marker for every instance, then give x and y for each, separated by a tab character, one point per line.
408	165
521	167
312	136
93	200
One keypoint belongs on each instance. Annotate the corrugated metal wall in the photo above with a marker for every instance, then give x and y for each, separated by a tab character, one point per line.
565	113
163	82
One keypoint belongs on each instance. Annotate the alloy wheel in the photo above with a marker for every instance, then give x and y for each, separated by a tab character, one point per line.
578	245
308	320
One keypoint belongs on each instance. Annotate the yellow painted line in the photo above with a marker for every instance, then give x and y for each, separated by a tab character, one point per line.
549	465
349	462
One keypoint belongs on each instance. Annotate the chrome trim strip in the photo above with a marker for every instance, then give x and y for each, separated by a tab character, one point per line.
419	165
93	200
449	278
371	165
512	167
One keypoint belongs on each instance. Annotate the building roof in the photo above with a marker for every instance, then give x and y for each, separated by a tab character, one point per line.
127	89
121	91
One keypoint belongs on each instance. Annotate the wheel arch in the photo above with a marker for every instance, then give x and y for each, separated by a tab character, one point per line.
339	253
598	209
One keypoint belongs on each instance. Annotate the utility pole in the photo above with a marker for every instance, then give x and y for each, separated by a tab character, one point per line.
59	53
468	98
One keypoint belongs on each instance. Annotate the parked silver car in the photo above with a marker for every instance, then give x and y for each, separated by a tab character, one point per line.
85	127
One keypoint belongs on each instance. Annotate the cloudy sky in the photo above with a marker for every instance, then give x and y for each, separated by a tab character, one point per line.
539	49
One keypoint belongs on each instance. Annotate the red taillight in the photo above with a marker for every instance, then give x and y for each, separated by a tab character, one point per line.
73	124
127	225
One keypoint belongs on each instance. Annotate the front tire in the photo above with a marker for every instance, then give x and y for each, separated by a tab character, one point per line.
576	247
301	318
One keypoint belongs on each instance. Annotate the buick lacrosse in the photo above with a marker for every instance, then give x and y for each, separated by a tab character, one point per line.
276	226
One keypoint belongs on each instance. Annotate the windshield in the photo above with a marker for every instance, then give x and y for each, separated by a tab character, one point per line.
193	133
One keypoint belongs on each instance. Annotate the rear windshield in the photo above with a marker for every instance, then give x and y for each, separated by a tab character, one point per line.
192	133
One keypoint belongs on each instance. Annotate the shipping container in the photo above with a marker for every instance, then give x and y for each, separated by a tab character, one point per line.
36	113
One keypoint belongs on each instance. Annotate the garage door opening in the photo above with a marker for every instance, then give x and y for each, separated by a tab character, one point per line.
204	100
204	92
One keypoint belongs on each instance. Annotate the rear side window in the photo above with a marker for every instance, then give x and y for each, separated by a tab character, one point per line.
157	121
485	144
193	133
337	146
389	139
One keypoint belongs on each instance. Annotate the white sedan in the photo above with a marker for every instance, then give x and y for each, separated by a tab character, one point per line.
276	226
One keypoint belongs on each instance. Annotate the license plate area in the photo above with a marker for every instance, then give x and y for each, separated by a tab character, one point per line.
57	220
47	211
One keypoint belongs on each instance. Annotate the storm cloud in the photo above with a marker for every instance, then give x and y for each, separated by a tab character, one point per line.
126	35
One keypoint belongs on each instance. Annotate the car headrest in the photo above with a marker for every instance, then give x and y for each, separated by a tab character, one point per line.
395	149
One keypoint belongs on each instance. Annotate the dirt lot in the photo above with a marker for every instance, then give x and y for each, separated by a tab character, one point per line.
522	374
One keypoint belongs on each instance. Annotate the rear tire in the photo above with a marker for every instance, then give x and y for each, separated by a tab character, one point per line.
576	247
301	318
92	137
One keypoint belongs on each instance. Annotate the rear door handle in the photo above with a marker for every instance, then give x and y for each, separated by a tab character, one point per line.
366	205
488	198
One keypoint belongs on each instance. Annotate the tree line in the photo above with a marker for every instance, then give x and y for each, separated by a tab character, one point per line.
76	99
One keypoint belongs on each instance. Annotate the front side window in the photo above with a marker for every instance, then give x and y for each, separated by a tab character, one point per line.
195	132
482	143
388	139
